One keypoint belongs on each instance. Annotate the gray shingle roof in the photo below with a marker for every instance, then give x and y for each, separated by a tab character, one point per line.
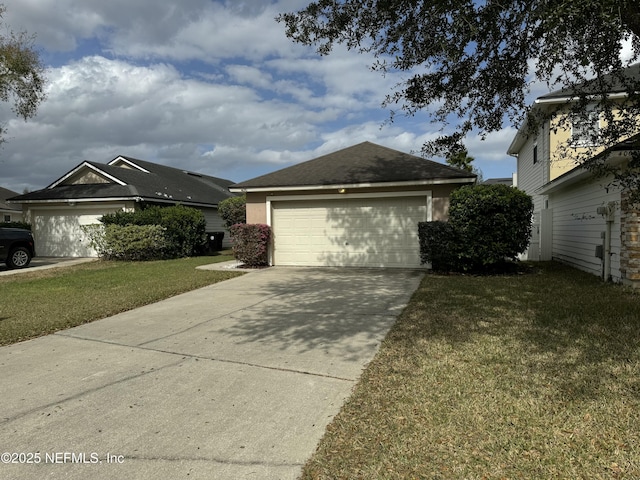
4	194
162	183
365	163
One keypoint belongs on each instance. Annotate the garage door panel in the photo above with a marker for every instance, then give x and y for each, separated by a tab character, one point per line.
355	232
59	232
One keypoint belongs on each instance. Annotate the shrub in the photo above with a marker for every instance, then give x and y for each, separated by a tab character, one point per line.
251	243
233	210
493	222
128	242
488	225
438	245
184	227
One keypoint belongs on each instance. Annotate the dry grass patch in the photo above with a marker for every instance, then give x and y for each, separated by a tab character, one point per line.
41	302
506	377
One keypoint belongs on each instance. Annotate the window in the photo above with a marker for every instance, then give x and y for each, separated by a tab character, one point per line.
7	218
535	152
585	129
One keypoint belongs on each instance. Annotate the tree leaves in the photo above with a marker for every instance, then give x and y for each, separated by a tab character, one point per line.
472	62
22	74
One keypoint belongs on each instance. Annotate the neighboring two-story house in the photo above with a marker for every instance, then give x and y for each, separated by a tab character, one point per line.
579	219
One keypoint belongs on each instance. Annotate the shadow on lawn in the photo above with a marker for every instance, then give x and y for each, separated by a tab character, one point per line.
565	325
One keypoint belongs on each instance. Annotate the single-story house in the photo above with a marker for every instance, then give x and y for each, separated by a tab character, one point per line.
9	212
359	206
90	190
508	181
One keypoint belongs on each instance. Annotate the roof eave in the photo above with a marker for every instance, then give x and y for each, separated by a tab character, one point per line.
541	102
580	173
290	188
545	100
136	198
78	200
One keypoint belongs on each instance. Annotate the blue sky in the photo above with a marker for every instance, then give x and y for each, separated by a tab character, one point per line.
208	86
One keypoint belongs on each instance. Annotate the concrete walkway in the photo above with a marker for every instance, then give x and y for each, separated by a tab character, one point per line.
235	380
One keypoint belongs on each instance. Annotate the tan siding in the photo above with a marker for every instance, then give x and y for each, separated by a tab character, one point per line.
256	201
257	208
85	177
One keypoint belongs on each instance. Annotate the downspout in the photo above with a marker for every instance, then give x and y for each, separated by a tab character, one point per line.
608	213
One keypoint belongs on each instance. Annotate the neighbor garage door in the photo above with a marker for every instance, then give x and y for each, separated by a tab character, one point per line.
58	232
368	232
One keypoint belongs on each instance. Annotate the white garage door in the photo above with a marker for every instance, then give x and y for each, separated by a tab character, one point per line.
58	233
364	232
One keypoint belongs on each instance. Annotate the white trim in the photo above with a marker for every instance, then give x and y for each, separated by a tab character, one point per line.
428	194
579	173
70	208
443	181
120	199
565	99
82	200
85	164
128	162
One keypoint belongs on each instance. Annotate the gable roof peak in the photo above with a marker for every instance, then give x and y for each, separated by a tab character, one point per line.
365	163
129	161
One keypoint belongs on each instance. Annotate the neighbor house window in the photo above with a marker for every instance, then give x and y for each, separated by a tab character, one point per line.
585	129
535	152
7	218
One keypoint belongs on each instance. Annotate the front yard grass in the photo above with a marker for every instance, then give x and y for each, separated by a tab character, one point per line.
533	376
41	302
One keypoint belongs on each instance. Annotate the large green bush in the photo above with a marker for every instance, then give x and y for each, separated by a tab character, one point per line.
438	245
134	242
488	224
184	227
233	210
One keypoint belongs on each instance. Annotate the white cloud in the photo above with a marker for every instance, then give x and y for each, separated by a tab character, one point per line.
209	86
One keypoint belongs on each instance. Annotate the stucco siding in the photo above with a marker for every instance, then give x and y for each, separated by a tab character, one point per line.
257	201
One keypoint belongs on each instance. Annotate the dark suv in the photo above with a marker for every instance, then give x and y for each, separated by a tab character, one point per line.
16	247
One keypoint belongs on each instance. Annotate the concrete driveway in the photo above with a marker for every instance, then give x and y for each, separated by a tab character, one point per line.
235	380
43	263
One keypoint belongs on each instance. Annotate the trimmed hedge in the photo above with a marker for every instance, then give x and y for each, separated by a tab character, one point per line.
184	227
251	243
488	224
133	242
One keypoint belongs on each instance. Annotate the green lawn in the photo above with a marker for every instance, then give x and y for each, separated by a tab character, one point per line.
531	376
40	302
